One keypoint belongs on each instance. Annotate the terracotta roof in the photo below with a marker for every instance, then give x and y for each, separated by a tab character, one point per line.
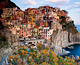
2	19
27	9
36	26
24	23
19	10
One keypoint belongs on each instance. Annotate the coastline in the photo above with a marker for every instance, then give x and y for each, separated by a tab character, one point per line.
72	43
62	51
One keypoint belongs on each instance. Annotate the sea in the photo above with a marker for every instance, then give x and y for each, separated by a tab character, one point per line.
76	50
78	27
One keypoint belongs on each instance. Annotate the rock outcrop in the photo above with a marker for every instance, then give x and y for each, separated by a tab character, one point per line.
60	38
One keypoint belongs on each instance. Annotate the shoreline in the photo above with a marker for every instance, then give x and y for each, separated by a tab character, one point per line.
72	43
72	56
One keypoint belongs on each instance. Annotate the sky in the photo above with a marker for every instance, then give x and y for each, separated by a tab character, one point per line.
72	6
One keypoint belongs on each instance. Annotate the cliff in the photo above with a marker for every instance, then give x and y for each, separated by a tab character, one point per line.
60	38
67	35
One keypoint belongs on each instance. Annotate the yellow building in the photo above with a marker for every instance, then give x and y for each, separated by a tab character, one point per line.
20	13
54	14
17	29
31	17
59	13
36	31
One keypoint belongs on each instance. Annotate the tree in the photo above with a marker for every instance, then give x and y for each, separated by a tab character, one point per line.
1	25
63	19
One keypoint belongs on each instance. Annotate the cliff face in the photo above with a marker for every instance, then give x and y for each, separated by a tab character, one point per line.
67	35
60	38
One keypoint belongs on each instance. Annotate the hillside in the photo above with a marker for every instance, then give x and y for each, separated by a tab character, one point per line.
6	4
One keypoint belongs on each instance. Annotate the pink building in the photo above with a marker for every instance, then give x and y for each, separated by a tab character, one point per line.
25	30
68	19
46	33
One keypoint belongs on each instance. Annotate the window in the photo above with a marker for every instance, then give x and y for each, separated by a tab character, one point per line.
44	30
10	31
17	31
40	41
46	35
24	29
22	26
26	25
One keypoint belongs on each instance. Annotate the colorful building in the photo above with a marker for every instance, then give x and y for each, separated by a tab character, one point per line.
26	30
59	13
7	12
62	13
56	25
46	33
19	13
36	31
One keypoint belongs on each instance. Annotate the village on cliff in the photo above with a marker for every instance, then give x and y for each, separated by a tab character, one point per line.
30	28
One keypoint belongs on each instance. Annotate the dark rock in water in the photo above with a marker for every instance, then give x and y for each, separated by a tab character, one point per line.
74	53
72	57
76	58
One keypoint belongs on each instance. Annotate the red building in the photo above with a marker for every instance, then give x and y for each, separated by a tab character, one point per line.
62	13
43	11
47	6
3	5
41	23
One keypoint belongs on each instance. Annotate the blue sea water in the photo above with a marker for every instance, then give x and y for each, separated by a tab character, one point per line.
78	27
76	50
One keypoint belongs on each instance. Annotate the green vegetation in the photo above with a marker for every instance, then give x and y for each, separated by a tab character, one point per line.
1	25
63	20
3	42
68	26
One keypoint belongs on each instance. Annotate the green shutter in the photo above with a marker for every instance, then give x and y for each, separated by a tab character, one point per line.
22	26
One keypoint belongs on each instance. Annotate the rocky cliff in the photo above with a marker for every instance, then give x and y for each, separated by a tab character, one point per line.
67	35
61	37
